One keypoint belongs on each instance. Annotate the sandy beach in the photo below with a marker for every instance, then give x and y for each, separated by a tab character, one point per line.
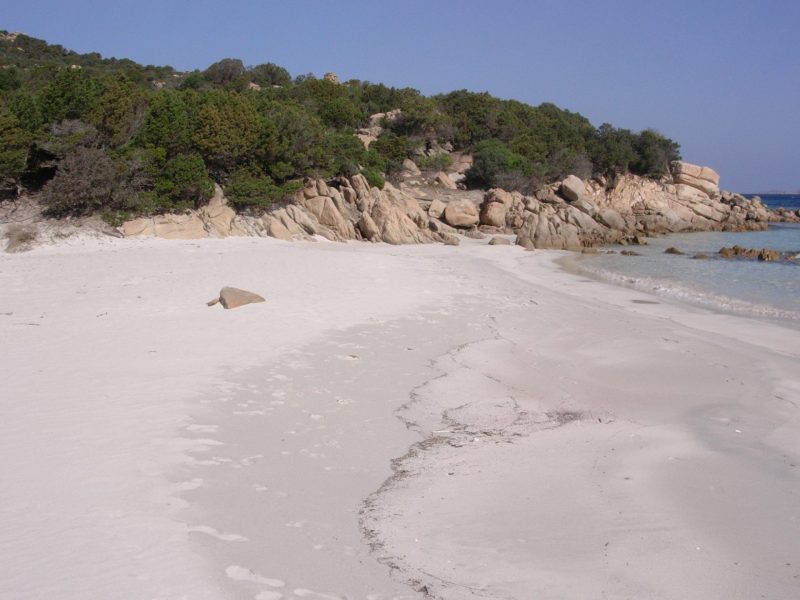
392	423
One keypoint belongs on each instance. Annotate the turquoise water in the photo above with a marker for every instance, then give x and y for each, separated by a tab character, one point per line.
759	289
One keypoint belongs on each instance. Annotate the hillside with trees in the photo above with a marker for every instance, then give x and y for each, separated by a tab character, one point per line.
113	137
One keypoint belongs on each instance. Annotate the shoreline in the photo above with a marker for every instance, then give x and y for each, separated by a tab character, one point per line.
683	291
525	527
479	342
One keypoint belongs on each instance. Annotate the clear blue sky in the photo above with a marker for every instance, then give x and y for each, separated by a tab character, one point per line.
720	77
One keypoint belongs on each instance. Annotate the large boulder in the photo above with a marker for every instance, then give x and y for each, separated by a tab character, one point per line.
572	188
436	209
327	214
496	203
408	204
276	229
461	213
218	219
368	228
411	168
499	241
443	179
169	226
392	225
493	214
541	231
705	179
611	219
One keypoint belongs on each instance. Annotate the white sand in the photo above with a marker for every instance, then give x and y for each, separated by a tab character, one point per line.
576	444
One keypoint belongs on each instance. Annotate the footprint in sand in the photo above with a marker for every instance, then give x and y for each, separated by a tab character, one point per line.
197	428
251	460
238	573
225	537
187	486
296	524
303	593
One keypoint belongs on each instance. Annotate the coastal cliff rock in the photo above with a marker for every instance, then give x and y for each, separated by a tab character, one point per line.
704	179
571	214
341	210
574	214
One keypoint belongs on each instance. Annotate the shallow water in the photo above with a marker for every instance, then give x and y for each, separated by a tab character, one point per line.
762	289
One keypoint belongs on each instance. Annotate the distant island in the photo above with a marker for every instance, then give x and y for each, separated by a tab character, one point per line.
112	137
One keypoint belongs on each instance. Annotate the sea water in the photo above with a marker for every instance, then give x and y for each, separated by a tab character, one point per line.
780	200
743	286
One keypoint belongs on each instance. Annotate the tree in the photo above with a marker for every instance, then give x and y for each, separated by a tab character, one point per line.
268	75
170	121
654	153
493	163
224	71
14	145
474	116
84	183
613	150
119	110
421	119
228	131
25	106
183	182
70	95
299	140
340	113
9	79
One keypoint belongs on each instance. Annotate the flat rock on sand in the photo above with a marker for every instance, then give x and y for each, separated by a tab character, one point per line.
231	297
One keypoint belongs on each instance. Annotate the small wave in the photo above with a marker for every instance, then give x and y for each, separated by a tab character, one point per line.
682	293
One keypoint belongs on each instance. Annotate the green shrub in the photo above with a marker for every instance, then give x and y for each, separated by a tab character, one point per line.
183	182
393	148
436	162
374	178
250	188
493	163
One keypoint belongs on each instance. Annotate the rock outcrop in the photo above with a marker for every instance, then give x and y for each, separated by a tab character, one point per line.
571	214
574	214
704	179
762	254
340	210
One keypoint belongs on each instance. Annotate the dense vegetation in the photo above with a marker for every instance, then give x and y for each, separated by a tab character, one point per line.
113	136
